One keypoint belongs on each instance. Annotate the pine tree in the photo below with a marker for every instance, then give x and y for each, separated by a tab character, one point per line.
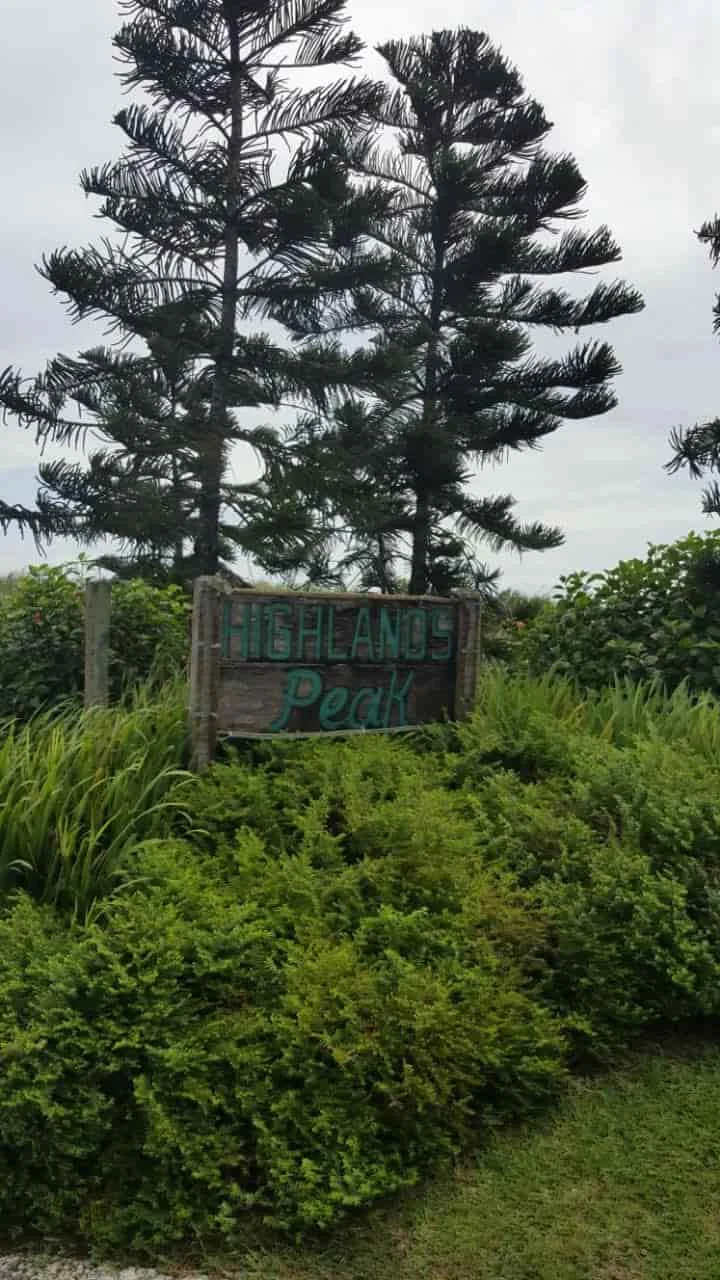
474	200
698	447
216	220
141	487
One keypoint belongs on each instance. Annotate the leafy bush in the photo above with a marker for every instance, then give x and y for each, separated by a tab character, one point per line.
42	629
631	941
41	641
580	802
257	1032
617	846
519	723
665	802
506	617
657	618
149	633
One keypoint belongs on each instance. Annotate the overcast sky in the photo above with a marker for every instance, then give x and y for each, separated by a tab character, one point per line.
634	94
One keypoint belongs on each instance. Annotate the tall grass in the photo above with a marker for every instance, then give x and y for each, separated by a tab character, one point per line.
621	713
627	711
80	790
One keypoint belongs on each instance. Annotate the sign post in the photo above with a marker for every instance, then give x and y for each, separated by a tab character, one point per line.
468	657
296	664
97	642
204	650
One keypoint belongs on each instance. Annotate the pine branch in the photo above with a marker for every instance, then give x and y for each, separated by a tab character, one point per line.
709	234
491	520
697	448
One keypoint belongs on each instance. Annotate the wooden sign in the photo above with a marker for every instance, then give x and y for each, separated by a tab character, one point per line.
286	664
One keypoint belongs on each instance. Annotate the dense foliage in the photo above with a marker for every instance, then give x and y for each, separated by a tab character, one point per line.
42	630
342	963
651	619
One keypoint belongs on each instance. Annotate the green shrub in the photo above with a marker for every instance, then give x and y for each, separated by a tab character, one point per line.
627	955
521	723
265	1035
661	798
617	846
149	633
614	848
629	946
41	641
505	620
42	630
657	618
308	794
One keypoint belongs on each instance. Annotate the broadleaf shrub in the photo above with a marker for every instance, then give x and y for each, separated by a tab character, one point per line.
632	940
42	634
651	619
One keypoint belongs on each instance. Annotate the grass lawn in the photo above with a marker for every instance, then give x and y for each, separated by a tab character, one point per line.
622	1183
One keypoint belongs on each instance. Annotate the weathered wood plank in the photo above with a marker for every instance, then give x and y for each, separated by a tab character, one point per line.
204	654
254	696
468	658
98	604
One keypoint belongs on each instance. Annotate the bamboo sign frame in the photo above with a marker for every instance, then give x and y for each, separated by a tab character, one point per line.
267	665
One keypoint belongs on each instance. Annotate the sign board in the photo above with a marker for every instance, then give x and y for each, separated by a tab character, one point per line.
286	664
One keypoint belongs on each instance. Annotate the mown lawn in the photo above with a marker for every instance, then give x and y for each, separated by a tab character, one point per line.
622	1183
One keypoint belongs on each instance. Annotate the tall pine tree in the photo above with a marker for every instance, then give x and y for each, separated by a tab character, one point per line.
141	484
472	232
232	165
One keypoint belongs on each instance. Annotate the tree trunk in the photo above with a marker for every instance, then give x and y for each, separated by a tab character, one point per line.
384	567
419	569
207	545
422	522
177	502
